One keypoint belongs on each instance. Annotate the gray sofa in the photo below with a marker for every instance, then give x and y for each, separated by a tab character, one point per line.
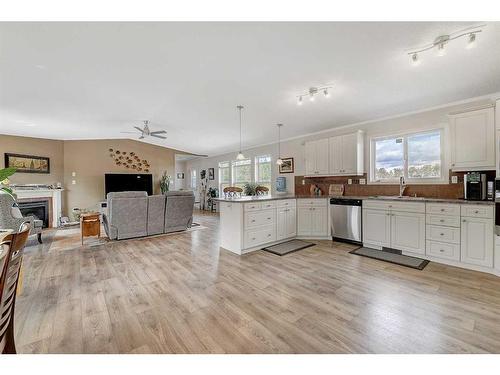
11	217
135	214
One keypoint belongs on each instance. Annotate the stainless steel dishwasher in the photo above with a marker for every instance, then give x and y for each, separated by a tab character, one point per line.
345	215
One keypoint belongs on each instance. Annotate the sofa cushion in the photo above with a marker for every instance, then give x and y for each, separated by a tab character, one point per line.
156	214
127	194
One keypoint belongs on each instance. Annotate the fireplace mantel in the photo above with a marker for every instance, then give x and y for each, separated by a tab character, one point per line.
54	195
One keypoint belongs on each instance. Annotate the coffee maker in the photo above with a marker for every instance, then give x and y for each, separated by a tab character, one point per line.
475	186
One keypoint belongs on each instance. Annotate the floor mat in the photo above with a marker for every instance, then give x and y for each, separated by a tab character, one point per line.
288	247
402	260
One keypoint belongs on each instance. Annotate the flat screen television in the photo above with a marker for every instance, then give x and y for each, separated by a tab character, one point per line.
114	182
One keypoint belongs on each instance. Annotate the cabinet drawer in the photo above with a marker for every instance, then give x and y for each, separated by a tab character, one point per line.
443	209
253	206
443	234
447	221
257	218
472	210
316	202
376	204
287	203
417	207
268	205
260	236
443	250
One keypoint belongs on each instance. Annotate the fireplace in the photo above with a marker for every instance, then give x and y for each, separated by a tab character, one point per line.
38	209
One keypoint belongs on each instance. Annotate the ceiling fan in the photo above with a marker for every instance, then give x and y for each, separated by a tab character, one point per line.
145	132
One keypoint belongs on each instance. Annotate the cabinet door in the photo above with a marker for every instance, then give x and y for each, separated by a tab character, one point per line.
335	154
408	232
322	156
304	221
310	154
319	221
473	139
477	241
350	153
291	222
376	227
281	224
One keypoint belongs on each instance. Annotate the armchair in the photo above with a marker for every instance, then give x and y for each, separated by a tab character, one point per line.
11	217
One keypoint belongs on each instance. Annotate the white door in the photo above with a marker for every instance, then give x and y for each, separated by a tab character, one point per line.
322	156
473	139
408	232
291	222
335	154
319	221
350	153
282	223
477	241
310	158
376	228
304	221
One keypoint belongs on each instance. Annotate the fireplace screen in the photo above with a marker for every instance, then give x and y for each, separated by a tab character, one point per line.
38	209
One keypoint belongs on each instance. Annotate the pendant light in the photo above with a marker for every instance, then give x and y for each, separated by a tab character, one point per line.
279	161
240	155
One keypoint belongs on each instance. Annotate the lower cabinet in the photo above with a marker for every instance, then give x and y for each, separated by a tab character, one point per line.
312	217
477	241
376	227
287	223
408	232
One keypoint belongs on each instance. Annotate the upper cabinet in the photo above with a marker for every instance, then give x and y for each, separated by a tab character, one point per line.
341	155
346	154
317	157
473	139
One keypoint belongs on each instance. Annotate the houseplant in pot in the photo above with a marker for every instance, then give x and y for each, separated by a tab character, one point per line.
5	173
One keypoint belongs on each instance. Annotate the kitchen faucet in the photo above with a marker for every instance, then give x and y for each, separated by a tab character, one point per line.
402	186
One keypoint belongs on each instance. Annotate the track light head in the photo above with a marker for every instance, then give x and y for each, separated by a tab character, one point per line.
471	43
326	93
414	59
299	101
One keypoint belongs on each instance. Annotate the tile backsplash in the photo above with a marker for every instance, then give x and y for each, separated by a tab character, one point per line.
446	191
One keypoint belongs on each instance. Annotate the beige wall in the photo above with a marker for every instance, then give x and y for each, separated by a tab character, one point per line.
53	149
90	161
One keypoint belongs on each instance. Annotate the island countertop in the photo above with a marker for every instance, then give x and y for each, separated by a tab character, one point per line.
247	199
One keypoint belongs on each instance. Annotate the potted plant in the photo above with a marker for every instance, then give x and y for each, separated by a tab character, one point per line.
165	182
5	173
250	188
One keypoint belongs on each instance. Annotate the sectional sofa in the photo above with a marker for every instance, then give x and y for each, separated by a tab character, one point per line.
135	214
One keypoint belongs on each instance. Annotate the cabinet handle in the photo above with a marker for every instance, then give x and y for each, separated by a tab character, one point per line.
442	209
441	250
463	221
253	239
269	235
441	234
253	221
442	221
268	218
476	212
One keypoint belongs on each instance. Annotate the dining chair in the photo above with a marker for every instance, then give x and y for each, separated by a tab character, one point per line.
13	246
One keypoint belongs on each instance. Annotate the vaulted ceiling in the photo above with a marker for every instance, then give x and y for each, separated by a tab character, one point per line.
95	80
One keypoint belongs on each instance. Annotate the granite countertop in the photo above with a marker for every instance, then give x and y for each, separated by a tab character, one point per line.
246	199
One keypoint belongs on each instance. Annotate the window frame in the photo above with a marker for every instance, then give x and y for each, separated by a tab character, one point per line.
230	175
256	164
194	173
443	179
233	162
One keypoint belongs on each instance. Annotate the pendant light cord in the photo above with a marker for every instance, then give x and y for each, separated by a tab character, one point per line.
240	108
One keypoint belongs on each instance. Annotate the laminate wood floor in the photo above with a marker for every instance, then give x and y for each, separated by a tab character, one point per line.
180	294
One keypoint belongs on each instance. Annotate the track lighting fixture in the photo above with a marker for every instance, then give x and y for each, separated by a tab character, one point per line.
311	93
441	42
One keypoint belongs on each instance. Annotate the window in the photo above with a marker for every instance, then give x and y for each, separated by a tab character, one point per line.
263	171
224	176
193	179
416	156
242	172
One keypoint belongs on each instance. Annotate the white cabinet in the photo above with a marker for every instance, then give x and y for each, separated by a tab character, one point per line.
287	222
346	154
408	232
477	241
312	217
317	157
376	227
397	225
473	139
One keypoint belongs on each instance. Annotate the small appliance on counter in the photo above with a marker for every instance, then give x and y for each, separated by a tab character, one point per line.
475	186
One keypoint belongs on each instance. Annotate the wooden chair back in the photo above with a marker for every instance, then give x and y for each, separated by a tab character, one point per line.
261	190
14	245
232	191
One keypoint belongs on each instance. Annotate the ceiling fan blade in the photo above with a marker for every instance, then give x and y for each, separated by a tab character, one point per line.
158	132
129	132
158	136
141	137
138	128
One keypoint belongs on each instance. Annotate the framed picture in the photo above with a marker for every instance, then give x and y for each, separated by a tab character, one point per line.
287	166
27	163
180	176
211	175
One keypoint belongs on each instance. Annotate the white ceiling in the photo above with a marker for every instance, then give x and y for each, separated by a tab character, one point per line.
93	80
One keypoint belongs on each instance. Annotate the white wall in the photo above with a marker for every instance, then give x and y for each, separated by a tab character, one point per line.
180	167
431	119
